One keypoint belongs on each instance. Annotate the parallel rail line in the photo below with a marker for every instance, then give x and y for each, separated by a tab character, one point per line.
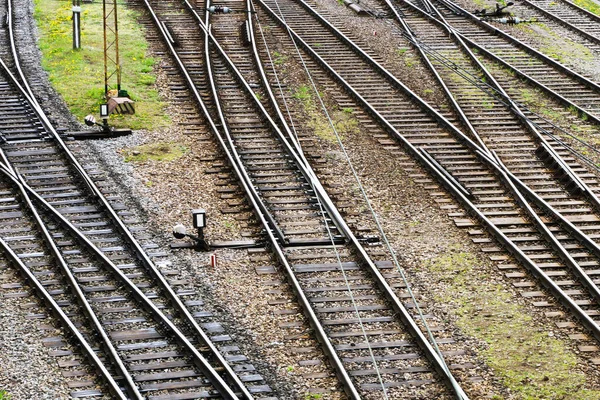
561	82
571	16
475	173
93	266
344	293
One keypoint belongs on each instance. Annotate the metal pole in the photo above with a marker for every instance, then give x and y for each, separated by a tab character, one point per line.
105	50
117	48
76	24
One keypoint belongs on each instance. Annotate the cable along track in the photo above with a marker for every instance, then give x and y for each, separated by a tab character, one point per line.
570	15
341	289
475	177
566	85
75	249
568	222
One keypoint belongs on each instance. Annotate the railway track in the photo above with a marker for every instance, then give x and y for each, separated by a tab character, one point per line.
553	247
500	125
358	305
568	15
561	82
351	300
68	237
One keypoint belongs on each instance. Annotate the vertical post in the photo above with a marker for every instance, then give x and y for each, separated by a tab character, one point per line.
76	24
111	44
118	64
105	50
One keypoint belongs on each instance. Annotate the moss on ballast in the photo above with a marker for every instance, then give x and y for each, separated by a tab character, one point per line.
160	151
344	121
531	362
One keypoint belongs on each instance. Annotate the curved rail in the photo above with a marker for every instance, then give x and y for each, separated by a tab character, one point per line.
305	304
427	162
501	169
403	313
595	87
190	323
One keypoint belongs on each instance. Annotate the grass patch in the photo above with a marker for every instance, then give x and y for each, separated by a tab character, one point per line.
160	151
312	396
533	99
530	362
278	58
555	46
4	395
344	121
78	75
589	5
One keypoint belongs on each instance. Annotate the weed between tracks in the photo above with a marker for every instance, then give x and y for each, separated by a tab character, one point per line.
531	362
555	45
78	75
344	121
4	395
160	151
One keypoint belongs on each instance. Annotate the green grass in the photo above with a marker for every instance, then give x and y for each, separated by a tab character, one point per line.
313	396
78	75
344	121
160	151
278	58
588	5
529	361
4	395
555	46
302	93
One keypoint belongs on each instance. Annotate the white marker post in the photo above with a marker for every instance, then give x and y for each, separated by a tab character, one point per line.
76	25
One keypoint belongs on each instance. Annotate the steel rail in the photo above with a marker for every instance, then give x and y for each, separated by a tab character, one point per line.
408	31
492	92
295	284
562	68
514	250
518	112
561	21
136	292
73	285
292	151
406	318
502	171
13	48
403	314
419	156
329	349
64	320
364	255
305	304
140	253
492	29
542	141
588	13
491	55
271	96
273	225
